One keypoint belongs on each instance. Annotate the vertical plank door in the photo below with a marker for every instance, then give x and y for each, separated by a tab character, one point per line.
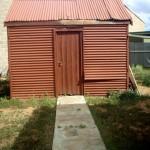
68	63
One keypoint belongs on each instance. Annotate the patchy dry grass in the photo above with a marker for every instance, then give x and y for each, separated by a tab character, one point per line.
144	90
27	125
123	125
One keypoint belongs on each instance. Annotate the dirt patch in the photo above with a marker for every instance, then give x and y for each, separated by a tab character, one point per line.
1	125
102	109
144	105
142	134
28	110
5	110
144	90
118	125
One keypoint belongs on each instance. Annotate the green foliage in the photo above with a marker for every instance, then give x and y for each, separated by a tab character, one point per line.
5	103
138	71
4	88
114	95
142	75
130	95
44	101
146	79
94	100
4	82
82	126
117	97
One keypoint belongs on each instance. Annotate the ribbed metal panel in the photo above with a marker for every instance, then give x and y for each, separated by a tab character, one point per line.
105	59
45	10
103	87
31	61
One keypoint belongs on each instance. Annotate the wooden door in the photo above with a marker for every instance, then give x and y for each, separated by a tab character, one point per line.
68	53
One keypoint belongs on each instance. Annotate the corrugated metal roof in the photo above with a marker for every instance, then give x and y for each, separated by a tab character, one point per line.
45	10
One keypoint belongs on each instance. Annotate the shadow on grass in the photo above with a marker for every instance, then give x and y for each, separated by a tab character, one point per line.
122	127
37	134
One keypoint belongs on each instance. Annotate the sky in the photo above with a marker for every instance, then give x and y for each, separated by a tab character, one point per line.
142	9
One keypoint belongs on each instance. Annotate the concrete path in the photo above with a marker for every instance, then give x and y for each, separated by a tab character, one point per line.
74	126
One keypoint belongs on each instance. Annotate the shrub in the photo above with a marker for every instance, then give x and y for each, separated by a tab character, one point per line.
115	95
146	79
138	71
5	91
141	75
128	95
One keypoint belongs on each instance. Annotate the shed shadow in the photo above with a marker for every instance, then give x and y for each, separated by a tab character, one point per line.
122	127
37	133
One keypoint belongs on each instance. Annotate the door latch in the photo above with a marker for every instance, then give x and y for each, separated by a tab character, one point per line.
59	63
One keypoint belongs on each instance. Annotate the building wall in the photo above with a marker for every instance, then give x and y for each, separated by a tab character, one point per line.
4	6
105	60
31	61
138	25
147	40
135	39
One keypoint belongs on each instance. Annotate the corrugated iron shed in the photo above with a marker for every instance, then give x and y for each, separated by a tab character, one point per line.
47	10
59	47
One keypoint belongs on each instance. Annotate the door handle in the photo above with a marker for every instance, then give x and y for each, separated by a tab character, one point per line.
59	63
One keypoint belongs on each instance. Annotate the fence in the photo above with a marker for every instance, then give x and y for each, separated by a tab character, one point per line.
140	54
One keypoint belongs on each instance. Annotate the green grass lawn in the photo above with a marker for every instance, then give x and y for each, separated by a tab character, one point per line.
27	125
123	120
123	124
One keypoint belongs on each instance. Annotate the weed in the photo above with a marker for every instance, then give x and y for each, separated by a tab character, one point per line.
82	126
130	95
44	101
146	79
78	109
117	98
94	100
59	126
5	103
114	95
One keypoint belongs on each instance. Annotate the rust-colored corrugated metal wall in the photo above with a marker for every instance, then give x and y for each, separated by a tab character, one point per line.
31	61
31	57
105	59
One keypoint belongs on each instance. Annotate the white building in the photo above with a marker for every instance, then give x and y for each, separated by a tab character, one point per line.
4	6
137	23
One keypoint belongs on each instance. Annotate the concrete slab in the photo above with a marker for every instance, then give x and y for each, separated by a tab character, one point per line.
74	126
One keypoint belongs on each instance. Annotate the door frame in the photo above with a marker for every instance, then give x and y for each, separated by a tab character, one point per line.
80	31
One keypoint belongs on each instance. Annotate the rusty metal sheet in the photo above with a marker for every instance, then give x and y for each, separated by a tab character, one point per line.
31	61
46	10
102	88
105	59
